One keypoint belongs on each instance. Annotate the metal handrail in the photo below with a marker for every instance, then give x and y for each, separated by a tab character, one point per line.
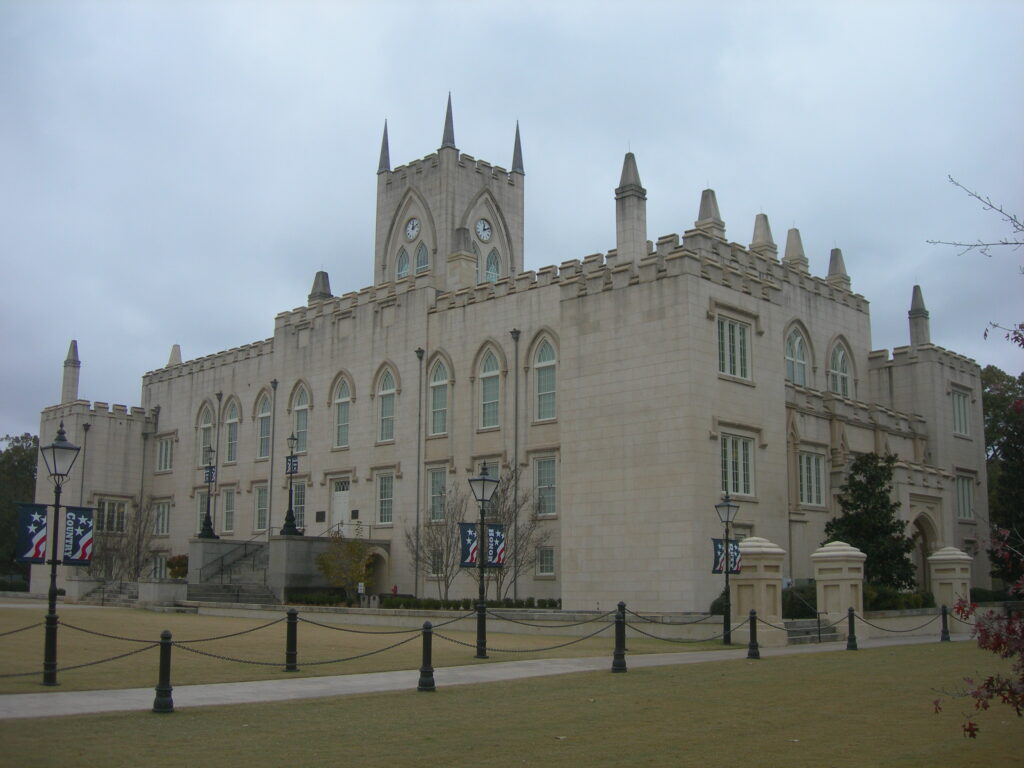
217	565
817	614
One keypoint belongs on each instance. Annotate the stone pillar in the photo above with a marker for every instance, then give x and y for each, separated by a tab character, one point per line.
839	577
950	572
758	586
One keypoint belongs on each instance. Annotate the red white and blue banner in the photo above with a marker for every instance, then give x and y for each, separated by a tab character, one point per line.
78	539
470	549
734	556
31	545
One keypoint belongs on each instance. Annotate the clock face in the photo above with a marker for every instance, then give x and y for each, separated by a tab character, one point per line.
483	230
412	228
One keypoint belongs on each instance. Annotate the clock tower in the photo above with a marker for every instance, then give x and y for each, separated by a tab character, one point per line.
448	220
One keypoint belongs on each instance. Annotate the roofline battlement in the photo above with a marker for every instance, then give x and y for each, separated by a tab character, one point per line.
207	362
95	409
907	354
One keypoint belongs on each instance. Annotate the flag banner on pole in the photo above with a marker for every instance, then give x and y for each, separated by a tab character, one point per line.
495	546
468	538
470	549
78	539
31	546
718	566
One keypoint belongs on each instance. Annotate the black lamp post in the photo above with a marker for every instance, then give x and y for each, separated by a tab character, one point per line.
727	510
59	456
483	488
291	466
210	476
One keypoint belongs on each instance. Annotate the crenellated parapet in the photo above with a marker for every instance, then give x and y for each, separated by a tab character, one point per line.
217	360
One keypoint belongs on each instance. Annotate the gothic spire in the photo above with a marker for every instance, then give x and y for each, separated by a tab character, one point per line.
920	331
69	383
630	175
709	219
448	139
385	152
517	154
837	270
794	255
762	239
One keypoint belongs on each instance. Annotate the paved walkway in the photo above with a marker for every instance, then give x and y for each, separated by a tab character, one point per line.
56	703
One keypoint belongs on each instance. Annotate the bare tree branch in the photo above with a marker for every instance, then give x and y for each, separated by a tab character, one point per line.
982	246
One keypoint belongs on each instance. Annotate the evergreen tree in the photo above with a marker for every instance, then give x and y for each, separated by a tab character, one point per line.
869	522
1003	402
17	484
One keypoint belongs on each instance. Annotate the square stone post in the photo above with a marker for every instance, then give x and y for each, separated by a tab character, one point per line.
758	586
950	571
839	578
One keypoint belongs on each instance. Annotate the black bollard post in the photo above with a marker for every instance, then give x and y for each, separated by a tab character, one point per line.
427	670
619	656
291	648
944	635
851	637
163	702
753	652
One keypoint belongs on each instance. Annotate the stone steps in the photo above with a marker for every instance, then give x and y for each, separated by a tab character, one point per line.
256	594
805	631
119	594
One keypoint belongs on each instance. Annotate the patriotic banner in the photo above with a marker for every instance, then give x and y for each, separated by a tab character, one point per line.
31	546
734	556
470	549
78	527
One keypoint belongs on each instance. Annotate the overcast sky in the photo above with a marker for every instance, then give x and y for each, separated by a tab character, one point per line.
176	172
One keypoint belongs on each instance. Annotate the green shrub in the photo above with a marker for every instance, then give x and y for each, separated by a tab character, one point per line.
177	566
885	598
529	603
800	602
982	595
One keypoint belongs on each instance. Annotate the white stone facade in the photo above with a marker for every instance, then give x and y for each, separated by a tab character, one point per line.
675	375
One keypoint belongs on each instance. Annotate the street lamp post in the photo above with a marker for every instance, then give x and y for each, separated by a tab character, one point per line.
210	476
291	466
727	510
59	456
483	488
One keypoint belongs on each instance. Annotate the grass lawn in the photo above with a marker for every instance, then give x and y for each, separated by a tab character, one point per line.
23	651
869	708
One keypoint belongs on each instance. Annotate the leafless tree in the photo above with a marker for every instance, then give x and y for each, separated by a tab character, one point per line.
439	544
525	531
124	555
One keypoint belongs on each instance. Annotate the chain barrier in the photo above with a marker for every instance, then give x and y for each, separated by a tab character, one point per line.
360	655
112	658
227	658
16	631
103	634
954	616
358	631
674	624
773	626
527	650
457	618
547	626
235	634
932	620
681	640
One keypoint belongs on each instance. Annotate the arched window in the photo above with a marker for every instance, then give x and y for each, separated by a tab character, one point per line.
422	259
402	264
493	271
439	399
342	400
544	366
386	407
839	371
489	391
263	427
300	419
231	423
796	358
205	436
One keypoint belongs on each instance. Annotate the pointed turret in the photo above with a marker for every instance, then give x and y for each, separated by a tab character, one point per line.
72	366
321	290
763	242
517	154
448	138
920	332
630	214
794	256
385	152
708	218
837	276
175	357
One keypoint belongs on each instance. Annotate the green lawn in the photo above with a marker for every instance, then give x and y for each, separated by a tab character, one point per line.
869	708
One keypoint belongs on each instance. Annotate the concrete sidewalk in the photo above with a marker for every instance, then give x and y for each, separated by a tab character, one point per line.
55	703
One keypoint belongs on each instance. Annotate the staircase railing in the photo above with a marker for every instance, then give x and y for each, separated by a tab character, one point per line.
817	614
216	566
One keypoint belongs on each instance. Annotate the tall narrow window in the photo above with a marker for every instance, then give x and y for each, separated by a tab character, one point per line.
111	515
737	464
811	469
839	371
436	561
164	454
544	365
489	391
439	399
300	413
228	510
232	432
299	503
493	270
961	425
201	500
262	506
437	494
205	441
161	518
422	259
386	407
159	570
796	358
544	486
733	348
545	561
965	497
342	399
263	427
402	264
385	498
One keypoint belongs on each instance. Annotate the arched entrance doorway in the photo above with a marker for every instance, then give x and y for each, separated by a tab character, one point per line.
377	570
923	535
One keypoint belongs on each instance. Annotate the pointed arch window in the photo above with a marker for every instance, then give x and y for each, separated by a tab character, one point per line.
439	399
386	408
231	424
342	401
402	264
300	419
490	390
839	371
422	259
205	435
493	268
263	427
796	358
544	367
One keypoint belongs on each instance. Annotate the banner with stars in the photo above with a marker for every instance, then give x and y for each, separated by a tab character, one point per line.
78	527
468	536
31	546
